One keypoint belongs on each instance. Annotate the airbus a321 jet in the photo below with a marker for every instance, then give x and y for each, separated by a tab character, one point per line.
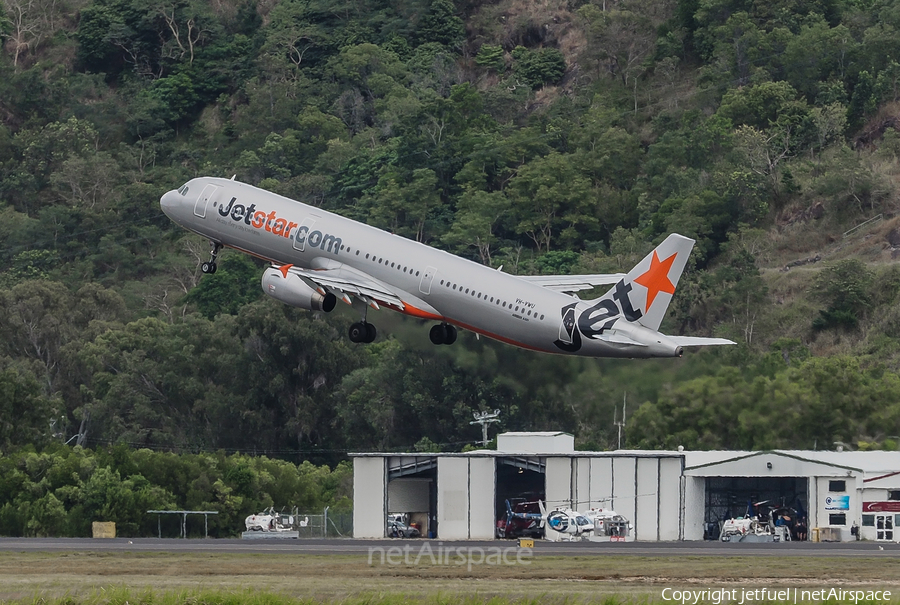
319	258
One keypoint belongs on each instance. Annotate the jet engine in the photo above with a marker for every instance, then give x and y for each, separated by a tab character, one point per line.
292	290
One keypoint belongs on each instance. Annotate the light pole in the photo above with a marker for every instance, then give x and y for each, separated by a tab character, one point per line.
485	418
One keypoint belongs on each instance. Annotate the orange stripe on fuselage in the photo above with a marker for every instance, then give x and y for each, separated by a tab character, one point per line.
409	309
508	341
416	312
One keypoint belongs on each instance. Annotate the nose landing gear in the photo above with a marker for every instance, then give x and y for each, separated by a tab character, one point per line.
443	334
210	267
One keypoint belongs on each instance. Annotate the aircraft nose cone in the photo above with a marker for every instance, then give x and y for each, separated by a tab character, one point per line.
168	202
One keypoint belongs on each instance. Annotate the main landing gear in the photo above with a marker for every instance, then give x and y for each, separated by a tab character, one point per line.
443	334
210	266
362	331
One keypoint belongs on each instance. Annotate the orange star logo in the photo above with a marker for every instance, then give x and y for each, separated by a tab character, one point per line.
656	279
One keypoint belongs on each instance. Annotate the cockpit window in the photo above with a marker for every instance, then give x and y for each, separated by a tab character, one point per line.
183	190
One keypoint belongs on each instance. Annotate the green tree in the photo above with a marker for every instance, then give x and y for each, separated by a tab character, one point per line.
845	288
550	199
478	217
404	207
538	67
863	100
25	413
491	56
234	285
441	24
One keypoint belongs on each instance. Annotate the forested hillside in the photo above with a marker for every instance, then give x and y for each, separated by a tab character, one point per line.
546	137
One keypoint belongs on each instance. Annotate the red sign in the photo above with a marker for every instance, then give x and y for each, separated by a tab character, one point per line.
892	506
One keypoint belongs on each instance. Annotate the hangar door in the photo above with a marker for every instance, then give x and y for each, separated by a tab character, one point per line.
412	491
735	497
521	480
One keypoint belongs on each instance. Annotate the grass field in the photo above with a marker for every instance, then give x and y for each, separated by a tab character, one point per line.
280	579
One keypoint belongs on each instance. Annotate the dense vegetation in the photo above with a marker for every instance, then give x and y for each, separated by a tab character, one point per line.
565	137
60	491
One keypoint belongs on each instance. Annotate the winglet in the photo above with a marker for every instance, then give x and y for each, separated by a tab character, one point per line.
284	270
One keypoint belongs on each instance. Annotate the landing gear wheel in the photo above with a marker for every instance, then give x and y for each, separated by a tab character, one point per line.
443	334
438	334
451	335
371	333
358	332
209	267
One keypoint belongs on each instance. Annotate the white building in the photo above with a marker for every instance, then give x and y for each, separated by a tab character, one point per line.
667	495
836	490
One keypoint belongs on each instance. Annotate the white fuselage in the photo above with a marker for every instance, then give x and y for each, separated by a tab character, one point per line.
433	284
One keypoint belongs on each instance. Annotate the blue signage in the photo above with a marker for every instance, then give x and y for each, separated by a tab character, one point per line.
837	503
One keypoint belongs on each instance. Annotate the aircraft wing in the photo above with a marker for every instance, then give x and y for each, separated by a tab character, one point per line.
573	283
697	341
344	281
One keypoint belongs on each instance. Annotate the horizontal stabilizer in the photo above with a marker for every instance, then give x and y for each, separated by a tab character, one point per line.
613	336
697	341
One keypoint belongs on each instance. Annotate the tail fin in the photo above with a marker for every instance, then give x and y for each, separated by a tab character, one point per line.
645	291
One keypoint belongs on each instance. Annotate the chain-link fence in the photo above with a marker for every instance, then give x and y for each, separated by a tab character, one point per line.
324	525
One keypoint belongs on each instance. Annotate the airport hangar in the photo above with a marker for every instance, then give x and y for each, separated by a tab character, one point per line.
667	495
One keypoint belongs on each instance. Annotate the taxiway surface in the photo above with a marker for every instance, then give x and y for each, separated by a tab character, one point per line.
362	547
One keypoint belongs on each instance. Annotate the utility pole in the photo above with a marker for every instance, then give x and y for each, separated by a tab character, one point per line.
620	425
485	418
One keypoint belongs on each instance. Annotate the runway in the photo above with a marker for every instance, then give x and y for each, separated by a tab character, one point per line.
364	547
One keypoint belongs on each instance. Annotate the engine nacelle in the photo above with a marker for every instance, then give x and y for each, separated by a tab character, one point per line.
291	290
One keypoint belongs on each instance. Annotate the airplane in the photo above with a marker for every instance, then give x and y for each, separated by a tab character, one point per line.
319	258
